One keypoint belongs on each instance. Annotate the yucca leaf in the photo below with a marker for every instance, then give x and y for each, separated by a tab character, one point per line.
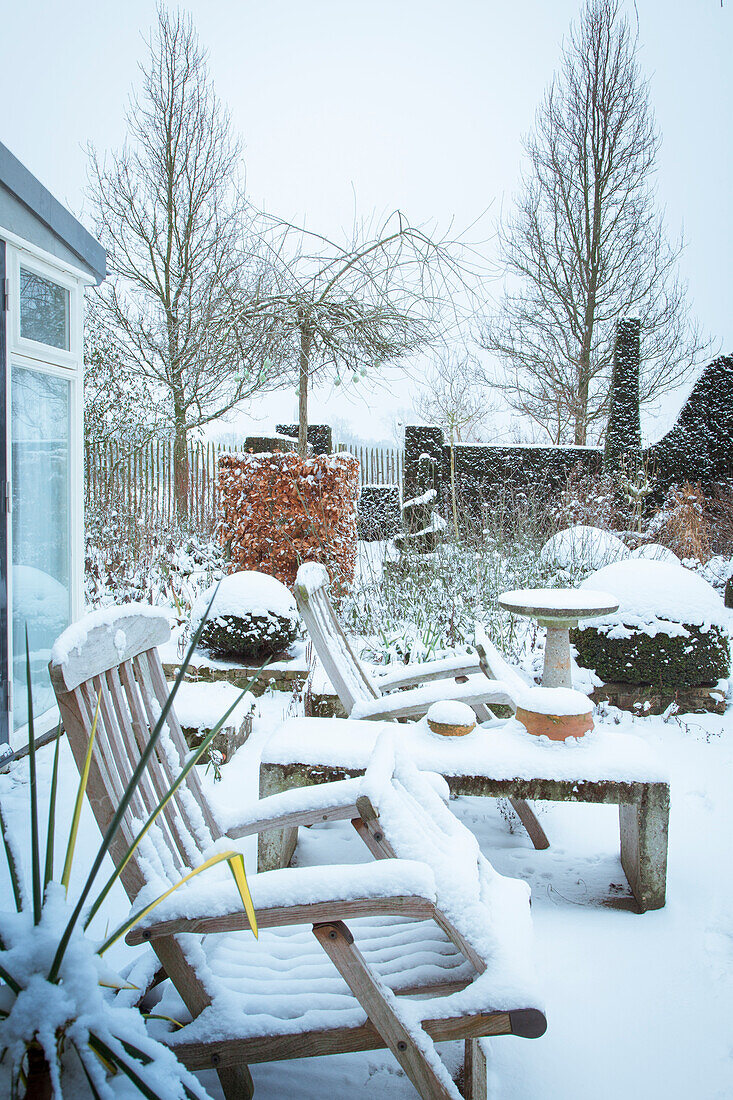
50	833
12	866
190	762
159	1016
134	1052
126	799
35	844
101	1048
9	980
81	791
87	1074
240	878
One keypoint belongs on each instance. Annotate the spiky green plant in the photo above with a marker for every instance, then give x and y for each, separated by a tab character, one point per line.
51	969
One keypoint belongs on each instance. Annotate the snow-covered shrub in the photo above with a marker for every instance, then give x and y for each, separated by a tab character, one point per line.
280	510
253	616
425	605
682	524
671	628
579	549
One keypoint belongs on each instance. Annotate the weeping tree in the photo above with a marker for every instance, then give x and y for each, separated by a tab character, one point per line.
186	271
345	310
585	243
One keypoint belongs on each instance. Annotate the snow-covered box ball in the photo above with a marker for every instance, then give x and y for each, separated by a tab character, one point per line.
253	616
671	627
582	547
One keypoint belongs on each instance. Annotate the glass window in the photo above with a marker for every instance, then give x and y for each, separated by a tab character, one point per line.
41	523
44	310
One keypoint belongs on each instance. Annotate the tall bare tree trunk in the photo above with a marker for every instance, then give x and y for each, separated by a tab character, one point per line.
304	369
180	466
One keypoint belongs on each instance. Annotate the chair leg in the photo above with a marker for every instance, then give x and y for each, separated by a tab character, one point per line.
475	1071
236	1082
374	997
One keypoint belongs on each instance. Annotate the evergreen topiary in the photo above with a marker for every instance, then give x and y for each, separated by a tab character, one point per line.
670	630
253	617
699	656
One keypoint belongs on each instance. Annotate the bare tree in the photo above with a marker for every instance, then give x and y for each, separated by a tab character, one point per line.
586	245
120	407
453	396
172	217
347	310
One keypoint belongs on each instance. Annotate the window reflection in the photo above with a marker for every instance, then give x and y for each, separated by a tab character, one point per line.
40	415
44	310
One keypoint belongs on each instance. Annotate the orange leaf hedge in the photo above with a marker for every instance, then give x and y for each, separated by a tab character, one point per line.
280	510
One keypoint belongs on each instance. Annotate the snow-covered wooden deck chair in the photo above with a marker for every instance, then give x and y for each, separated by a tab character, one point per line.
438	943
410	691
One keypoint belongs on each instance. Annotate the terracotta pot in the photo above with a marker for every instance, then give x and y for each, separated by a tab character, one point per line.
558	727
446	730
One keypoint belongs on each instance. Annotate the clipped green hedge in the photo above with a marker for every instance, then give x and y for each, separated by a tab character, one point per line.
701	658
250	637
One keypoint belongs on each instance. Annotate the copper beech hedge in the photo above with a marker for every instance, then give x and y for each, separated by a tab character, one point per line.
280	510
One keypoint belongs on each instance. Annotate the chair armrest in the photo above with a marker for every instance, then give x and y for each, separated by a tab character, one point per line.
417	701
423	672
297	806
300	895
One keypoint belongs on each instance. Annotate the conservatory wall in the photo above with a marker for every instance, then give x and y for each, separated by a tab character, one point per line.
47	259
43	537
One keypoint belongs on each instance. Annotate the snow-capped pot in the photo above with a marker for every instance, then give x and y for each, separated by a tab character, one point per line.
670	630
557	713
451	718
253	616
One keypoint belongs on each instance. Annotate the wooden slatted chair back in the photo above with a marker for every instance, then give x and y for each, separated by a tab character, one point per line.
110	659
343	668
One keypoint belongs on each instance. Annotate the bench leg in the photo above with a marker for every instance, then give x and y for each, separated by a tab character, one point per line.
275	848
475	1071
529	819
644	828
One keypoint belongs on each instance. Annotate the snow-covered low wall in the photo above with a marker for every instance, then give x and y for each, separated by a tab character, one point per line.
280	510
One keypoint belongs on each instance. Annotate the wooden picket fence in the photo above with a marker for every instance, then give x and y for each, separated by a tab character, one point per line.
142	483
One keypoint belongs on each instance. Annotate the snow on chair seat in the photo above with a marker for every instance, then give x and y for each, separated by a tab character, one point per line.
419	961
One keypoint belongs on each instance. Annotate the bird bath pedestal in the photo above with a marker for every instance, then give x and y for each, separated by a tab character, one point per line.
558	609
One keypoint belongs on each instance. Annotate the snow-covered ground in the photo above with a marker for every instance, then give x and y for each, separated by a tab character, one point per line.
637	1005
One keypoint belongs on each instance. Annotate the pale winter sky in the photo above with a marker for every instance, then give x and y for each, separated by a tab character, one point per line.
414	104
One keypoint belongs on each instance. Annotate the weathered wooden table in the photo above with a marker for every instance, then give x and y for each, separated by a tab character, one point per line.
500	761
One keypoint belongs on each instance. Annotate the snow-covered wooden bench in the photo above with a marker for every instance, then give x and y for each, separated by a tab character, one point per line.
503	761
463	968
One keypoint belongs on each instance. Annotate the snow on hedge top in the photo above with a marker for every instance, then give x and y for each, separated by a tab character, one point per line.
583	547
650	591
246	593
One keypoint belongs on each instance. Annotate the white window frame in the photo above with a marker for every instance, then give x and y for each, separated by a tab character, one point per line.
35	349
68	365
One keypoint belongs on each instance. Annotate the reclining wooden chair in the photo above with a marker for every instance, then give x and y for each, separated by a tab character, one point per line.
478	679
462	970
